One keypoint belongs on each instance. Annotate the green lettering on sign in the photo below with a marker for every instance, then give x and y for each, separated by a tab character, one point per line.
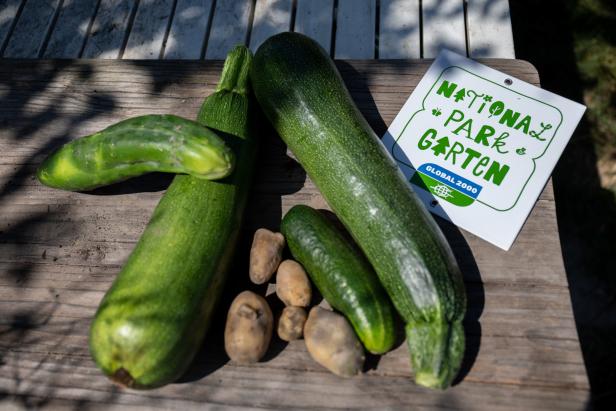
496	173
446	89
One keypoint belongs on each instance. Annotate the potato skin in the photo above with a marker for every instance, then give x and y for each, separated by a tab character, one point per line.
292	284
291	323
248	330
265	255
331	342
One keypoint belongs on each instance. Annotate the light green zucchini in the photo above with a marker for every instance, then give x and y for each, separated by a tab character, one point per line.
134	147
154	317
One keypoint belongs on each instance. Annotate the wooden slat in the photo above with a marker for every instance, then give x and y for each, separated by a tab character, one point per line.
489	29
237	387
443	27
315	18
8	12
71	28
31	29
399	29
190	25
60	251
355	29
149	29
271	17
106	38
229	27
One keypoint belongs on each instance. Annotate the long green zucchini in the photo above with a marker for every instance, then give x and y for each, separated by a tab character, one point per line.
342	275
305	99
152	320
136	146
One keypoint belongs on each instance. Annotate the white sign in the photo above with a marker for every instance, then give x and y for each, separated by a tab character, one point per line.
478	146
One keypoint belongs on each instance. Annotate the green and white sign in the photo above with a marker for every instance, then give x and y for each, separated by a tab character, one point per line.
478	146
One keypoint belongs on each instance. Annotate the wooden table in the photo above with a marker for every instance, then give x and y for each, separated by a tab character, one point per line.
59	252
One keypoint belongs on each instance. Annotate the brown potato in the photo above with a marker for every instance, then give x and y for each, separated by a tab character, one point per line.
332	342
248	330
293	285
265	255
291	323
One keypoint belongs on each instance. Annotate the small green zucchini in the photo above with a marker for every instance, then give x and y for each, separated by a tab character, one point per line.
154	317
137	146
342	275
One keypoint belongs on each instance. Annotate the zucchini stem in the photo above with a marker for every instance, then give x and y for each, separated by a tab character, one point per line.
235	72
227	109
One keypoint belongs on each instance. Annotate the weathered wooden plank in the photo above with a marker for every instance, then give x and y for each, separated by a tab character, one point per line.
315	18
489	29
149	29
355	29
503	312
69	33
239	387
32	28
271	17
229	27
191	23
399	29
59	252
493	365
8	13
443	26
106	38
109	222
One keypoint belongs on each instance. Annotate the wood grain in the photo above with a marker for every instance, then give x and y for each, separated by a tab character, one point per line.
109	29
59	252
8	12
32	28
355	29
271	17
69	33
189	28
399	34
315	18
489	29
443	27
230	26
149	29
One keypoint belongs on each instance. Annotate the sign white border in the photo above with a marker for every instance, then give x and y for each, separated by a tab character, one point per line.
499	227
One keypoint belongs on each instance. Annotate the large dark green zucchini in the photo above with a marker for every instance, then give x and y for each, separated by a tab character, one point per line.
304	97
136	146
153	319
342	275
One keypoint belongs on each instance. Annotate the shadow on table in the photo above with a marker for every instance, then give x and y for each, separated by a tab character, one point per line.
28	112
45	104
546	34
29	327
147	183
